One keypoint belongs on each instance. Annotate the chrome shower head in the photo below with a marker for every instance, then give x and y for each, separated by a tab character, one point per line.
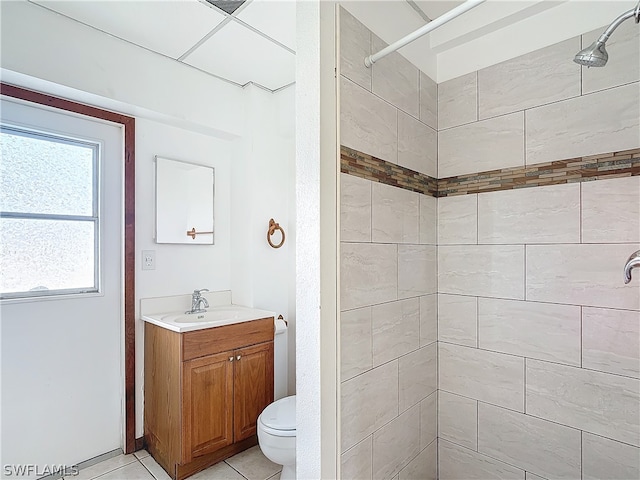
595	55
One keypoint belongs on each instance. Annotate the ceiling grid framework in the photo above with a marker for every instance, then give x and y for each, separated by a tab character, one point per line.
253	41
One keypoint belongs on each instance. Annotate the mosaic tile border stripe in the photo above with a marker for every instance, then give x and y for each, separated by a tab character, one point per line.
377	170
582	169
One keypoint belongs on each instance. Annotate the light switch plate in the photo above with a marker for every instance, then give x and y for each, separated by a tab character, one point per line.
148	260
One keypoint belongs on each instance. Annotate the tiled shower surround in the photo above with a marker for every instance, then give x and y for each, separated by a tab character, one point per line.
581	169
526	362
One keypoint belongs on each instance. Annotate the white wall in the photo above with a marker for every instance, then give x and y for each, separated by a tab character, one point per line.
184	114
263	188
179	268
48	46
316	226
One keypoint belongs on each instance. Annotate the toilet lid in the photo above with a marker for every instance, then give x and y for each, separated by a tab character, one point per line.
280	415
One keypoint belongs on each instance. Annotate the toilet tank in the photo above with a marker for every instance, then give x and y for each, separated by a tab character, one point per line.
280	361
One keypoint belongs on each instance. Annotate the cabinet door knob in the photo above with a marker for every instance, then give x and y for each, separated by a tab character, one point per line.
231	358
238	357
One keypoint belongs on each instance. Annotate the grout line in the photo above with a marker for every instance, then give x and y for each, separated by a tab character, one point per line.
539	301
581	456
532	416
477	218
378	96
477	98
572	97
568	365
524	385
147	469
371	340
581	211
524	137
397	135
398	376
510	244
419	95
371	437
478	322
581	335
370	185
524	294
234	469
437	457
482	453
477	424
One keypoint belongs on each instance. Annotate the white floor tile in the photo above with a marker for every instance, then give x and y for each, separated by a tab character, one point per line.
106	466
140	454
253	465
220	471
157	471
133	471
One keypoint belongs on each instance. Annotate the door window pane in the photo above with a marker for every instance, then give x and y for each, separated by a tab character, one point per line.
39	174
44	255
49	220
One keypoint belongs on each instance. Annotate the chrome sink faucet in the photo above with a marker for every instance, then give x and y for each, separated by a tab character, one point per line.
198	302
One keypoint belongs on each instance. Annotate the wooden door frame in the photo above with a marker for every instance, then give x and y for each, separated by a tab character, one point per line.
128	124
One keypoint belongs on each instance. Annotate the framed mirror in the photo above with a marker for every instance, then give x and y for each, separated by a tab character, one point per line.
184	202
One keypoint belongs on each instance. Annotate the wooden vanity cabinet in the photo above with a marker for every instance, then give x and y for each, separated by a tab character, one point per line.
204	391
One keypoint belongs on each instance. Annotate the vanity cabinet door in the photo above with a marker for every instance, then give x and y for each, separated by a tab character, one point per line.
207	422
253	385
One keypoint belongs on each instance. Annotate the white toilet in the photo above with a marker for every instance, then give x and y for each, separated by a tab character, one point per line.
277	422
277	435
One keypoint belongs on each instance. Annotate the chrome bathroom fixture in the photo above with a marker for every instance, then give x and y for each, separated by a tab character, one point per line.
198	302
632	262
432	25
595	55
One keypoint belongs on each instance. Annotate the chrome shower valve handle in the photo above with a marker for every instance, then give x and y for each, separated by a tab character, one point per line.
632	262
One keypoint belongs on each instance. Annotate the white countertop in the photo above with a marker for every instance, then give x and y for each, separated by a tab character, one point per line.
216	316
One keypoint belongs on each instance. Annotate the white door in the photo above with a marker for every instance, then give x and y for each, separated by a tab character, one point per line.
62	361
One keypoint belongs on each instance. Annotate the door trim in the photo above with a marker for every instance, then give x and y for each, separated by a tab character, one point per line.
128	124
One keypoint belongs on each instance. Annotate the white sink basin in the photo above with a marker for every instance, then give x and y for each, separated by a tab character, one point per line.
213	317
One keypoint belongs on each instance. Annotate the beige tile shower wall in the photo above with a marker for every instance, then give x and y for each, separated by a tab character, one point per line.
388	320
390	110
540	107
539	338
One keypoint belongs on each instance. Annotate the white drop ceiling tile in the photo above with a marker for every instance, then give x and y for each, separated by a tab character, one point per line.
434	9
389	20
241	55
166	27
275	18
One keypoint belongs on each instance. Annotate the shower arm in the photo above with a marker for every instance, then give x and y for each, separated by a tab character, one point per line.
634	12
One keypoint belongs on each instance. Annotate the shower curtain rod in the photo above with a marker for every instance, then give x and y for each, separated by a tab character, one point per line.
432	25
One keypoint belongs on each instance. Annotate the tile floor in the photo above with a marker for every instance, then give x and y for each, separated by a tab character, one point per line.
248	465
